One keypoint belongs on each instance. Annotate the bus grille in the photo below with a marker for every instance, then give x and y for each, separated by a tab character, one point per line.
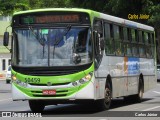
55	84
59	93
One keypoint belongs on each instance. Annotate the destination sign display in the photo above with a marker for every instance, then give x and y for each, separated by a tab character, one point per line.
50	19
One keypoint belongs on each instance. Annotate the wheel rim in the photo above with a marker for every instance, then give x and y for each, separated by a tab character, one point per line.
140	93
140	90
107	96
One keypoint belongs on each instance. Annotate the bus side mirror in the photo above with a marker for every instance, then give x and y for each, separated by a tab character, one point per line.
6	39
76	58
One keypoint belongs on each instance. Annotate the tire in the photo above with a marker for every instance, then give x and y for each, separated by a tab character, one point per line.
138	97
36	106
7	81
104	104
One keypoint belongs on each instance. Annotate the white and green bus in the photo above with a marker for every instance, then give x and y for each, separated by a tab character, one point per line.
66	55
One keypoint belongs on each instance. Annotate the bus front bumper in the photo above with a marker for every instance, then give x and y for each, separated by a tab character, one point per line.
79	93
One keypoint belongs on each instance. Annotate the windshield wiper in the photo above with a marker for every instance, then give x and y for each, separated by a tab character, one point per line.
39	39
63	34
57	41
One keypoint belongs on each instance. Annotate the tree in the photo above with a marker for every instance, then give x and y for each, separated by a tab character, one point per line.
154	20
8	7
34	4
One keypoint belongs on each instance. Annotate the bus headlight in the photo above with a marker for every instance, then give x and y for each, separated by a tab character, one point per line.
83	80
23	84
15	80
14	77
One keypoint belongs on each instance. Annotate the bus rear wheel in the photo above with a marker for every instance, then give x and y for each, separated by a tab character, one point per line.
36	106
104	104
138	97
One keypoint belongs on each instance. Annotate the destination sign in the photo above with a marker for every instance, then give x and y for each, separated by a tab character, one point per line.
50	19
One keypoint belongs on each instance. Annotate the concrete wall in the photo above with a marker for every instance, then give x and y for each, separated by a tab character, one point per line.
3	26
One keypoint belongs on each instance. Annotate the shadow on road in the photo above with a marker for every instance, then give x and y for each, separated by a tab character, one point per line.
81	110
121	103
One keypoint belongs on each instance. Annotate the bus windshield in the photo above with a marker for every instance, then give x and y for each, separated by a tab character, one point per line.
52	46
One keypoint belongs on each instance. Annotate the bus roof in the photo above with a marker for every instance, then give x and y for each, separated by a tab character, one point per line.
107	17
125	22
54	9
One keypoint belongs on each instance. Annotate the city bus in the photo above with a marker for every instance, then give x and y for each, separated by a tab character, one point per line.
71	55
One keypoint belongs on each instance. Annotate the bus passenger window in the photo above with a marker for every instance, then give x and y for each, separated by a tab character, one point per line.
128	50
119	48
109	43
148	51
116	32
133	35
146	39
140	36
135	50
152	38
152	52
125	34
142	51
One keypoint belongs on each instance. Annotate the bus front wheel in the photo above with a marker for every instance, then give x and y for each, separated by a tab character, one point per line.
104	104
36	106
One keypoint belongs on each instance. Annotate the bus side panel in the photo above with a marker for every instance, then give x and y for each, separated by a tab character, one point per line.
113	66
147	68
152	81
125	72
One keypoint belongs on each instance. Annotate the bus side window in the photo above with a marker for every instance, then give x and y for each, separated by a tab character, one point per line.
125	34
133	34
152	44
108	36
140	37
128	49
148	47
142	51
118	40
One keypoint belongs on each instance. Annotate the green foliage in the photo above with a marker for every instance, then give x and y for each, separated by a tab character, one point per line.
7	7
120	8
155	16
49	3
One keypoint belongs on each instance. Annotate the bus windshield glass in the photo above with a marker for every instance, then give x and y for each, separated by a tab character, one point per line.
67	46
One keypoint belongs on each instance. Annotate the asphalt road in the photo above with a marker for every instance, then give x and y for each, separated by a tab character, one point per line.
119	109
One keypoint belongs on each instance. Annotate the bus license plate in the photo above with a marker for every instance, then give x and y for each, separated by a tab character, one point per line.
49	92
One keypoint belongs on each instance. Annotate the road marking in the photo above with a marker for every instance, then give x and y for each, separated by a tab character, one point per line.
151	108
5	99
156	92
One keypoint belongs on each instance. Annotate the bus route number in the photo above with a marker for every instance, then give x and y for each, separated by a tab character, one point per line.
32	80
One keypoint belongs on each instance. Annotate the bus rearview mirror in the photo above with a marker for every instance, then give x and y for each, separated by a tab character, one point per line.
6	39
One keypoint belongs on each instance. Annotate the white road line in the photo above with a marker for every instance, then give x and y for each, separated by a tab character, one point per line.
151	108
5	99
156	92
